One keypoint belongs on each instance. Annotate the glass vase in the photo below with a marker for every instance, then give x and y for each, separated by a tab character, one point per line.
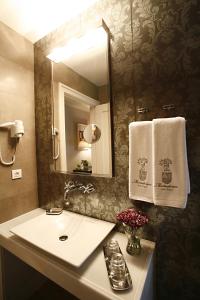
133	246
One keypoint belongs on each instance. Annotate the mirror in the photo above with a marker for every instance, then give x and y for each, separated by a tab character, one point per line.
81	99
91	133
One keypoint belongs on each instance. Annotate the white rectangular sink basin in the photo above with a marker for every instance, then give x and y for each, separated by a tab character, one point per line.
81	235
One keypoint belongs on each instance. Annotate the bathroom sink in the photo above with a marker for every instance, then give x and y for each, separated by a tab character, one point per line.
71	237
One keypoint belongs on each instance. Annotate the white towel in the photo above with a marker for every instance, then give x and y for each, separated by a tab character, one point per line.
170	168
140	161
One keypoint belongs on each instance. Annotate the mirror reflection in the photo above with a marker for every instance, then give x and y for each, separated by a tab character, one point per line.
91	133
81	94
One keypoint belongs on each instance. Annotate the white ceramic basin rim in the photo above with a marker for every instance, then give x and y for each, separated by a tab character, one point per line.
83	235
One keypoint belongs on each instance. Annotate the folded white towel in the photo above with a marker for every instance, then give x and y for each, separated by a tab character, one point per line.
140	161
170	168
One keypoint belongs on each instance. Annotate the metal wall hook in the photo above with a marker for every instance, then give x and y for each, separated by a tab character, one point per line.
142	110
168	107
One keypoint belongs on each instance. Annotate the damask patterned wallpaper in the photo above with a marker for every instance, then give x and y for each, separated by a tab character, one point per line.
155	61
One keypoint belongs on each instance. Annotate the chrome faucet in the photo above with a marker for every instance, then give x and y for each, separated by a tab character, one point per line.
69	186
72	186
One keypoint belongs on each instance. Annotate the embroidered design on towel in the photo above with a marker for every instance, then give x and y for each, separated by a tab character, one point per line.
166	175
142	171
142	176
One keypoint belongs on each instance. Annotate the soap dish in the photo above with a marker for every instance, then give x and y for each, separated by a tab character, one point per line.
127	279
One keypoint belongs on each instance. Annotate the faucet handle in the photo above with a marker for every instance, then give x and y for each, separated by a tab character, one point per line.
89	188
70	185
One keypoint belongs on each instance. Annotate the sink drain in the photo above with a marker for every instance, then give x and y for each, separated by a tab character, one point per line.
63	237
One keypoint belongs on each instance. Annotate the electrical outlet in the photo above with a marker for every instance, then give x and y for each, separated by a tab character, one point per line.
16	174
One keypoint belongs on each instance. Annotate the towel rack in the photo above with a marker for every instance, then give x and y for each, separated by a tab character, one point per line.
143	110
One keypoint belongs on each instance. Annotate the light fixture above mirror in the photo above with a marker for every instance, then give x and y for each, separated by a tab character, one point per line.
94	40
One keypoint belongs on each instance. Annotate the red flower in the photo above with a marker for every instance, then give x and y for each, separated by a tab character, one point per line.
132	218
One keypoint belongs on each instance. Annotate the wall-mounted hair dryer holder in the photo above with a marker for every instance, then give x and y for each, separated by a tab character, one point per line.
16	128
55	134
16	131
